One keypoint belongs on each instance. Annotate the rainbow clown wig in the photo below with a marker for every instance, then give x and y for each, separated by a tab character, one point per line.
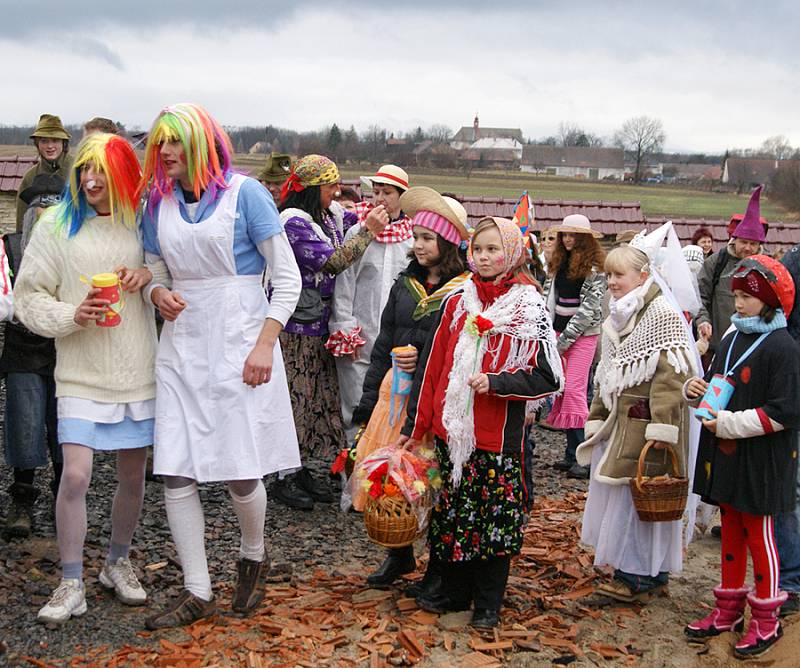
206	146
115	157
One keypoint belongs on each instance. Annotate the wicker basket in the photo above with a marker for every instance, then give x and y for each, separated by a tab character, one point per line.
659	499
390	521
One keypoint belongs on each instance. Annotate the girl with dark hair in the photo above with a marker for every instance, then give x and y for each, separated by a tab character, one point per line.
436	269
574	290
315	225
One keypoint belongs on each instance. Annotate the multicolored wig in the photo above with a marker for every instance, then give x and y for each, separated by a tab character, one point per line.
206	145
115	157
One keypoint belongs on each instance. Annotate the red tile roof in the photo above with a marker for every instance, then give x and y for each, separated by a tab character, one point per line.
610	218
12	169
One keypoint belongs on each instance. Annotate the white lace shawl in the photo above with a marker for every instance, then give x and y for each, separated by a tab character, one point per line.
635	359
521	314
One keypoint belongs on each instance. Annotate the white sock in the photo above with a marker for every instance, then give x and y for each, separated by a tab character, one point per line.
187	524
251	511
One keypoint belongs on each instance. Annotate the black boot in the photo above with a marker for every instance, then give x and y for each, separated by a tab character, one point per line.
431	583
316	489
399	561
287	492
19	521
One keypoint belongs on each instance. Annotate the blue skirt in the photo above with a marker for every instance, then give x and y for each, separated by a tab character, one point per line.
123	435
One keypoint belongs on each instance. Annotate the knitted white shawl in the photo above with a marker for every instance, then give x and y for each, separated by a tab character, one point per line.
520	314
634	360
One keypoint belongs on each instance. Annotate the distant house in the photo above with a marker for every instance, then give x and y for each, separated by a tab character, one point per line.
690	171
746	173
467	136
574	161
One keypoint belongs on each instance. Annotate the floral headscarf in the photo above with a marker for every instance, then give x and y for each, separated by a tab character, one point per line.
310	170
513	245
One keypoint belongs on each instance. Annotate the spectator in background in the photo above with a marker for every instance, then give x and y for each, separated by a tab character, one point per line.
714	279
28	360
702	237
348	198
275	173
100	124
42	184
362	289
548	245
574	292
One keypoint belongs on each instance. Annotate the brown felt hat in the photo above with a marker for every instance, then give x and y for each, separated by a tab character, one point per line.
50	126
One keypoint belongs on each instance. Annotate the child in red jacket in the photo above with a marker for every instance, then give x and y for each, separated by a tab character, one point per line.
492	350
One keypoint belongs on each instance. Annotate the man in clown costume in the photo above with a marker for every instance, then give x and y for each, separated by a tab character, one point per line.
223	411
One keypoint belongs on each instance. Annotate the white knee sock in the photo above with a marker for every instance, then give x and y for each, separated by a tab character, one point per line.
251	511
187	524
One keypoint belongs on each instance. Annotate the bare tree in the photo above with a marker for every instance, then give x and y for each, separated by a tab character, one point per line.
640	136
439	134
777	147
571	134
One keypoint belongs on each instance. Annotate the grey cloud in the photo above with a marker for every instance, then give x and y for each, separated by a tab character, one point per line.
93	49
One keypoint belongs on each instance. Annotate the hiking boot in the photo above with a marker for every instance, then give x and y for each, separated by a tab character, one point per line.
399	561
430	584
578	472
440	604
19	521
727	615
185	609
66	601
122	579
250	585
316	489
289	494
483	618
564	465
791	606
764	629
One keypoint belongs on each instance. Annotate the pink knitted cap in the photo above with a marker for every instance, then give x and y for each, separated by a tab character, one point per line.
439	224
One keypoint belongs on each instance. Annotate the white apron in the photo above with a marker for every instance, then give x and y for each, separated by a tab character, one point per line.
210	426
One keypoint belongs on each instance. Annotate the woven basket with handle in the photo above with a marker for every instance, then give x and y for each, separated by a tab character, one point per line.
391	521
662	498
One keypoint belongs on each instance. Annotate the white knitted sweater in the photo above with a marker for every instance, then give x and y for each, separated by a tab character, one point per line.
105	364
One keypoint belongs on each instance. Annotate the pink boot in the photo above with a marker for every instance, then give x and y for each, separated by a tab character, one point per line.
764	629
728	615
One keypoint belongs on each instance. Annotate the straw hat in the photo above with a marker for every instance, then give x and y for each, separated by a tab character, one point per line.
576	223
390	175
422	198
625	236
50	127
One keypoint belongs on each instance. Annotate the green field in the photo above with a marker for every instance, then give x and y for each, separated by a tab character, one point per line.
655	199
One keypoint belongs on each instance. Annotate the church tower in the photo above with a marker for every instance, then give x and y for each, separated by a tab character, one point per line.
475	128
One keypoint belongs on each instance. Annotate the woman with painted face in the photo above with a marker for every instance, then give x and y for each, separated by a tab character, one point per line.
224	413
491	350
436	269
315	225
574	291
363	289
104	374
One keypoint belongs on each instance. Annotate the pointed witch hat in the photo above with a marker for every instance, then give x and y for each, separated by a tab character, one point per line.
751	227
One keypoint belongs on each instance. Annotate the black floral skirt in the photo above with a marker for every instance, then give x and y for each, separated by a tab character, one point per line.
314	390
483	517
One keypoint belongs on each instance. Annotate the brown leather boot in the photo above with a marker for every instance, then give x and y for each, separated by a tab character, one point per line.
182	611
250	585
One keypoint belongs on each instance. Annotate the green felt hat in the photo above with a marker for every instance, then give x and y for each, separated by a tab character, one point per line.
50	126
277	169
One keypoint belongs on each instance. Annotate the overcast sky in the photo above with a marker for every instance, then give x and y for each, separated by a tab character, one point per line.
718	74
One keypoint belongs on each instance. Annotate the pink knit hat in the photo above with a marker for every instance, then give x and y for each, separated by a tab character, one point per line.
751	227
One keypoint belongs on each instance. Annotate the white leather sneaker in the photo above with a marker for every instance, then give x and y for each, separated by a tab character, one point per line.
66	601
121	578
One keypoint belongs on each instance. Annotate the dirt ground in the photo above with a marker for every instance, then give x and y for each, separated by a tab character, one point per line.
330	554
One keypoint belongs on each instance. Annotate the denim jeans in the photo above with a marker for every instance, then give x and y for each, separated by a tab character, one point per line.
787	540
641	583
31	421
